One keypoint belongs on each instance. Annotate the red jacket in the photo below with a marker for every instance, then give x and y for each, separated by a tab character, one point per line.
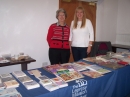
58	36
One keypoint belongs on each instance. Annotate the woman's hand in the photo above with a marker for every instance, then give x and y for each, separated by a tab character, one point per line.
89	49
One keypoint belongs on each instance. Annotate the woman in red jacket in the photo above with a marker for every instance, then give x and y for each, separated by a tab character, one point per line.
58	39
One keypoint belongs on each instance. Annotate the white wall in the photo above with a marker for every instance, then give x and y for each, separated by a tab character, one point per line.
123	22
23	28
106	20
113	22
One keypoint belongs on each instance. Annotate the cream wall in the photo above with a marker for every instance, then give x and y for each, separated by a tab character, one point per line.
113	22
123	22
23	28
106	20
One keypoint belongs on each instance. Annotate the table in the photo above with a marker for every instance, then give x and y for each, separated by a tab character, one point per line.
22	62
115	46
113	84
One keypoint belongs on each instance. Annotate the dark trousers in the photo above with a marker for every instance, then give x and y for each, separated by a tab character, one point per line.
79	53
57	56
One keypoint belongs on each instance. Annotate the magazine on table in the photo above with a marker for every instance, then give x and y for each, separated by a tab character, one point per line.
59	82
31	73
19	74
111	65
7	79
12	95
36	73
0	80
45	82
11	84
24	79
78	67
8	92
31	85
98	69
43	77
51	87
2	86
52	68
5	75
81	63
91	73
68	75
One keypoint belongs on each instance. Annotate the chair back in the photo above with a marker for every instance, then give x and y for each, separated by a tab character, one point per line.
100	48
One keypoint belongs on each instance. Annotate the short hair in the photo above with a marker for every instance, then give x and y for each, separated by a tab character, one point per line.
61	10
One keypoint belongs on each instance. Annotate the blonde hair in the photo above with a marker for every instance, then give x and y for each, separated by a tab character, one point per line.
76	19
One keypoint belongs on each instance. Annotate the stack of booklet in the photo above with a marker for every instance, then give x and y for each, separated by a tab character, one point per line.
103	58
53	83
47	83
9	93
66	73
44	80
1	85
8	81
35	72
59	82
98	69
25	80
31	85
91	73
90	59
51	87
80	66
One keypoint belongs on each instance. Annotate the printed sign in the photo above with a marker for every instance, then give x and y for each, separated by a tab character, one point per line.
80	89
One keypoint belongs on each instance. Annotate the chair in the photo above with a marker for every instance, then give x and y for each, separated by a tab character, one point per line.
100	48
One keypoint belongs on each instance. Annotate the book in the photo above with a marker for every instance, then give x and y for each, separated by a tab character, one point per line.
29	71
7	79
75	74
24	79
123	63
103	58
11	84
78	67
45	82
80	63
92	74
19	74
90	59
5	75
51	87
10	93
65	77
31	85
2	86
0	80
43	77
36	73
67	66
127	60
98	69
111	65
52	68
59	82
